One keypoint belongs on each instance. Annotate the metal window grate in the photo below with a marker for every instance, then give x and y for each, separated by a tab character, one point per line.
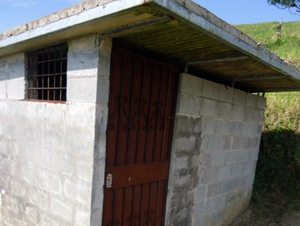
47	74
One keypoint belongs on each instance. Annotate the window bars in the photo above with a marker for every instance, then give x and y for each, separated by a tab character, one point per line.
47	74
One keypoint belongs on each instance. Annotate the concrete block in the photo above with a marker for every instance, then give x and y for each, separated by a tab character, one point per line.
225	127
250	128
251	100
62	164
227	143
212	143
226	94
185	144
31	215
5	166
38	198
225	110
5	182
235	196
182	181
235	127
239	97
210	175
189	105
61	209
84	170
15	66
209	108
253	154
206	159
210	90
82	90
225	172
17	188
238	143
28	173
190	84
238	112
49	182
243	156
11	203
83	56
251	115
47	221
201	221
198	209
214	190
249	179
232	157
201	193
3	89
88	42
55	184
197	124
249	168
217	159
103	91
16	88
194	161
261	103
79	192
209	125
228	185
104	56
216	218
181	163
82	218
254	142
237	170
215	204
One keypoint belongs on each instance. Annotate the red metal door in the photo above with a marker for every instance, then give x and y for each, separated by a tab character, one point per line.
141	114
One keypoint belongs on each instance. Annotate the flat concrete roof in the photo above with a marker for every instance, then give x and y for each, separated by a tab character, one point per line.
179	32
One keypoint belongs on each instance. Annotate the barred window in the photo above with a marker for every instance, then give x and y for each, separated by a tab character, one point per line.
47	74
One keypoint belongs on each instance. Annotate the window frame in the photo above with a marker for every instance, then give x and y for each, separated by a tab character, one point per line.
46	74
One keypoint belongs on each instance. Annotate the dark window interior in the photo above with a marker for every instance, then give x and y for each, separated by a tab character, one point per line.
47	74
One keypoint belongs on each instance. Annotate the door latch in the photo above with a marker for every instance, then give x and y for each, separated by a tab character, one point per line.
109	180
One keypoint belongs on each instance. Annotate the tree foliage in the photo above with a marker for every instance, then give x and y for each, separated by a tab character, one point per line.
284	4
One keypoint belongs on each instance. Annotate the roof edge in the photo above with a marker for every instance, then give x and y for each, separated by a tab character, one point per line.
72	16
220	29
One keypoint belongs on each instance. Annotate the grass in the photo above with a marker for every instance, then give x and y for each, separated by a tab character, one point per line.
277	183
288	47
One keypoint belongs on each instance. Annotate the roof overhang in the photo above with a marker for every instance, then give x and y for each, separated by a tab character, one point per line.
175	31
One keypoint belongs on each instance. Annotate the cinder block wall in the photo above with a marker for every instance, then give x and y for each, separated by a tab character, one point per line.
47	150
215	148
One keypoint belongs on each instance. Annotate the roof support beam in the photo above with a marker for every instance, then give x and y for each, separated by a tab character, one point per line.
131	28
258	78
219	60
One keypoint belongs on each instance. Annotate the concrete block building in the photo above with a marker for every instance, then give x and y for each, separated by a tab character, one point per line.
131	112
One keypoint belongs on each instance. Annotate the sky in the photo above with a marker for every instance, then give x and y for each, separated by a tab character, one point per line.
17	12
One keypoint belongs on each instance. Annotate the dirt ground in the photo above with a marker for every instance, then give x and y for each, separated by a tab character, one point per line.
248	219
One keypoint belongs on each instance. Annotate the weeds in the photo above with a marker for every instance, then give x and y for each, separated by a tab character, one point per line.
277	183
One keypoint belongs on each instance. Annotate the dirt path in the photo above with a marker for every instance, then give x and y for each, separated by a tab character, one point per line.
248	219
292	219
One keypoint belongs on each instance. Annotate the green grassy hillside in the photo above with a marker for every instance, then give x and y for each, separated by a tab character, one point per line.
277	182
288	47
